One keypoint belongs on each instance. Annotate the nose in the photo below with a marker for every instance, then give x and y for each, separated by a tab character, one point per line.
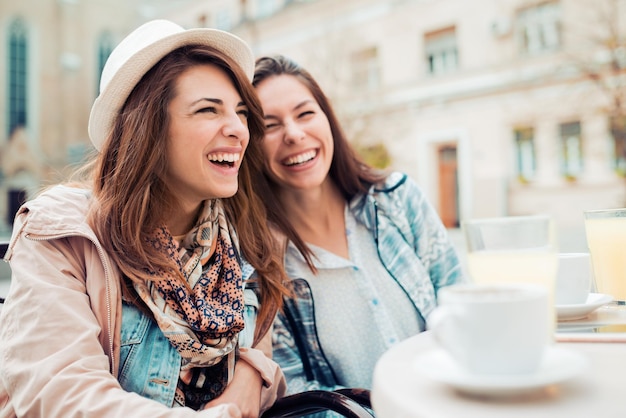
293	133
236	127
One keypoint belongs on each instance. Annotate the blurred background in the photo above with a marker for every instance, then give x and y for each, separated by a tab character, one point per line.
495	107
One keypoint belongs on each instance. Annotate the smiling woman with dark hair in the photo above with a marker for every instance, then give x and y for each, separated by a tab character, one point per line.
364	248
154	283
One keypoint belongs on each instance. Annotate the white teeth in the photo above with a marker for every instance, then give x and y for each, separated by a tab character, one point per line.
299	159
224	157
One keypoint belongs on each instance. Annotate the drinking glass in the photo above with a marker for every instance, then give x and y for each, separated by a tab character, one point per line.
606	239
511	249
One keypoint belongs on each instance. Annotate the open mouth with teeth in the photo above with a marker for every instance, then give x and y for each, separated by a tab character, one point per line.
299	159
224	159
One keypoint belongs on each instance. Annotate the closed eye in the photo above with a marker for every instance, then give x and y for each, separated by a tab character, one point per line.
306	113
271	123
209	109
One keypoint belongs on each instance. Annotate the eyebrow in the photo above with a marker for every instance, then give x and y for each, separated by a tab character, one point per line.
216	101
296	107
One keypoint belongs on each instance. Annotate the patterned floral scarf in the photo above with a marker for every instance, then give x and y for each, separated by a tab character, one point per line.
202	323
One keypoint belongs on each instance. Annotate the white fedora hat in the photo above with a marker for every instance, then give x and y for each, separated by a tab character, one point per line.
139	52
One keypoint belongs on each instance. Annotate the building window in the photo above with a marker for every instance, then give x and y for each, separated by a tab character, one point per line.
571	150
618	133
202	21
441	51
539	28
77	153
365	69
105	47
265	8
223	20
17	77
525	153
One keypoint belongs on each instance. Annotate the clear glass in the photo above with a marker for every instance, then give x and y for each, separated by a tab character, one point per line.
606	239
511	249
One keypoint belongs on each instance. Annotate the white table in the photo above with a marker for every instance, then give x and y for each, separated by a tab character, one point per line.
399	391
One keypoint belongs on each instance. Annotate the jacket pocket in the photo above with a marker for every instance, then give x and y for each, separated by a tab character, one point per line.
149	364
134	327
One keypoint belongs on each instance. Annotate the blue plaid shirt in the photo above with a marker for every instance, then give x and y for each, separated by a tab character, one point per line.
413	246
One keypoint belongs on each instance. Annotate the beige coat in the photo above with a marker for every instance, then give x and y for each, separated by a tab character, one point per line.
60	326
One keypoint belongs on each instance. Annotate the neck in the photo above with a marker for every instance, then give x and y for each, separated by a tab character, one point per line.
312	206
182	220
318	217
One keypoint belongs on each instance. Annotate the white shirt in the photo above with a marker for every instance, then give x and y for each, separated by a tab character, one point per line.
360	310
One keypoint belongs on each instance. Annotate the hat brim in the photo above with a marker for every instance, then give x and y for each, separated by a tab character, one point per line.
110	101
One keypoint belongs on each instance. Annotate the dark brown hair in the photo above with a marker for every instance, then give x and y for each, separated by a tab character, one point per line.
129	181
347	170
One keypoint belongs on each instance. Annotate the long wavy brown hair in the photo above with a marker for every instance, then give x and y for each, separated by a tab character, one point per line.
130	187
347	170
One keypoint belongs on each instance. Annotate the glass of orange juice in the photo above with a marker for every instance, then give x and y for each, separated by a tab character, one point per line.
606	239
512	249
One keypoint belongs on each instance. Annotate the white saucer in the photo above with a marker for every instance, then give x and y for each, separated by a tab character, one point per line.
594	301
558	365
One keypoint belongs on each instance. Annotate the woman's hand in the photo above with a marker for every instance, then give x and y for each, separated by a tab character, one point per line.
244	391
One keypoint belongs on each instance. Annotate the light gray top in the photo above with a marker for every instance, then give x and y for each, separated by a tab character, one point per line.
361	311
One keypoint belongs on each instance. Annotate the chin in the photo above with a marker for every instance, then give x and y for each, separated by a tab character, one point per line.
225	193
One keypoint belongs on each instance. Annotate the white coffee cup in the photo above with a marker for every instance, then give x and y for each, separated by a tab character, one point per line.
493	329
573	281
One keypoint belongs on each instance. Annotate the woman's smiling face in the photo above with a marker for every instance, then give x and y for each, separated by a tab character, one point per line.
298	142
208	136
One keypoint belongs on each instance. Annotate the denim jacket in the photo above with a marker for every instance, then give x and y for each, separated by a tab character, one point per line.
149	364
414	247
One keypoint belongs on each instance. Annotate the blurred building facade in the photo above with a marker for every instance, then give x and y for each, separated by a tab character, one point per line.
496	107
53	52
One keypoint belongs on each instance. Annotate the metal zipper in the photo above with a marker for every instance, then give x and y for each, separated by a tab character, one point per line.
107	277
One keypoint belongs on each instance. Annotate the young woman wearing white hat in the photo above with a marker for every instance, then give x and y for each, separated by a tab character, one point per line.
130	292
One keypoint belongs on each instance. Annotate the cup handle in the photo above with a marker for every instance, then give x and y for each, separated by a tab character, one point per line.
445	322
